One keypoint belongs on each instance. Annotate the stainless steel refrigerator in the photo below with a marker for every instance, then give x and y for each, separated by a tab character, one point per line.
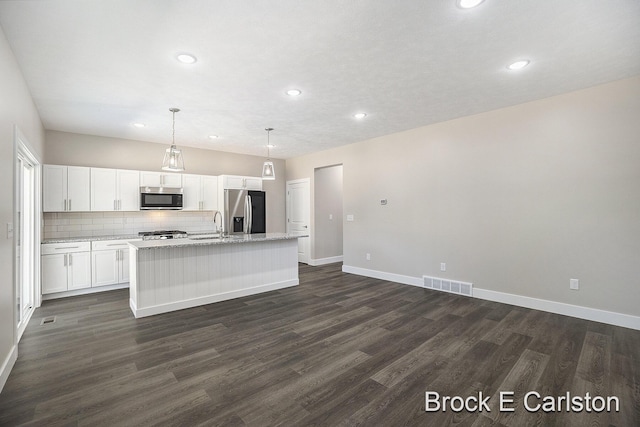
244	211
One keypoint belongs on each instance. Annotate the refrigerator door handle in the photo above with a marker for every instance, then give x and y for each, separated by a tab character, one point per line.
248	215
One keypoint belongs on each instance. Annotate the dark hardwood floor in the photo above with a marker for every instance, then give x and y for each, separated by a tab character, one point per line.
337	350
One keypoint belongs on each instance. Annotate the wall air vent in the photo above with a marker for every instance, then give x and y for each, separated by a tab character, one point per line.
447	285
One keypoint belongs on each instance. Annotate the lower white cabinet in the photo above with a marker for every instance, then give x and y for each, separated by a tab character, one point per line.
109	262
65	266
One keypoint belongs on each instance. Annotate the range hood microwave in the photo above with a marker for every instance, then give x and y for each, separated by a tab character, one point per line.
157	198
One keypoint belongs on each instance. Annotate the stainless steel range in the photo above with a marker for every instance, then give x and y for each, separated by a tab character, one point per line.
163	234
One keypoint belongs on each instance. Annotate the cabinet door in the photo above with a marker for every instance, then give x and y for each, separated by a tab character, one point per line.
54	273
78	189
104	266
150	179
209	193
79	270
103	189
54	188
253	183
233	182
124	266
191	196
128	190
171	180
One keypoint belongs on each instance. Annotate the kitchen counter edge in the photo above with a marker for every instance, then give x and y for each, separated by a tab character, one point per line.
250	238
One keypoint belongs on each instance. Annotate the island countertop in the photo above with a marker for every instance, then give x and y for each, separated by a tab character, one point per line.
202	240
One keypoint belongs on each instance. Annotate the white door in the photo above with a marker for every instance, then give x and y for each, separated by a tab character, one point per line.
298	201
128	190
54	179
79	271
103	189
191	200
210	193
54	273
105	268
78	189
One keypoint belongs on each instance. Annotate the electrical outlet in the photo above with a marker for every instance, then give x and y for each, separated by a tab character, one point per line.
574	284
330	217
368	257
443	266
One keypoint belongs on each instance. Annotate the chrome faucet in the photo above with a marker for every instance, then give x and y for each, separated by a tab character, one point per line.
215	224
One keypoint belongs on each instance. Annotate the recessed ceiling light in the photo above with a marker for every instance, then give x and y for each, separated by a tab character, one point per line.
213	136
186	58
139	125
360	115
270	145
468	4
519	65
294	92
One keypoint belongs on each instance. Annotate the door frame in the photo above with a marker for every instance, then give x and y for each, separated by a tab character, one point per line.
307	240
21	147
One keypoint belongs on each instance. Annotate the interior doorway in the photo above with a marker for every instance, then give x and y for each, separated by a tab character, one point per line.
328	215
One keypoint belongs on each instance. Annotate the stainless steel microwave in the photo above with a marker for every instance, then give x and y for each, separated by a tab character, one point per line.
160	198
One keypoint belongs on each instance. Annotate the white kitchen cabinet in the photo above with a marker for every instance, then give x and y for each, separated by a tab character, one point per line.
200	192
65	266
234	182
115	190
109	262
160	179
65	188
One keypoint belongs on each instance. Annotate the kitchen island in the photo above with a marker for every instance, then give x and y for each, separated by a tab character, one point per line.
174	274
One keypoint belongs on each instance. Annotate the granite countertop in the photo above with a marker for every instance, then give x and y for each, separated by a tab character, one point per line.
90	238
200	239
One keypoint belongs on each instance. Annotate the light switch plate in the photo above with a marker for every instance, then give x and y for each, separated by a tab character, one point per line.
349	217
574	284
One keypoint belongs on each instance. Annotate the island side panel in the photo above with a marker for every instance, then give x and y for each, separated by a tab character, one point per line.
174	278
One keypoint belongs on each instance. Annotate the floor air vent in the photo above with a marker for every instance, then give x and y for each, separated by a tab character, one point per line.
48	320
447	285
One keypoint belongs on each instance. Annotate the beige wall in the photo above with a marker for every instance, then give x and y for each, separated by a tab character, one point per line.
517	200
64	148
16	108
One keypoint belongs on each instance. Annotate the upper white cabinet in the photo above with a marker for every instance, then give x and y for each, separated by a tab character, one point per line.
234	182
115	190
65	188
160	179
200	192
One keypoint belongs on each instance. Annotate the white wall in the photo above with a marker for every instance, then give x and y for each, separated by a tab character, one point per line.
16	108
63	148
517	200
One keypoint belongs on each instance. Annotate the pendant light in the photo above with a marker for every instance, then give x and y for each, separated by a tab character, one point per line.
173	157
268	171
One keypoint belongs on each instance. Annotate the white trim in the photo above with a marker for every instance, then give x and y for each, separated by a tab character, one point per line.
587	313
84	291
210	299
7	366
383	275
323	261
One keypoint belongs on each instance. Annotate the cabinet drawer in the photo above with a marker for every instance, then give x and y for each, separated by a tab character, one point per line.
103	245
64	248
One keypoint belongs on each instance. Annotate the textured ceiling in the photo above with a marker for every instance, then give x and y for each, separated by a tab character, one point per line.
97	67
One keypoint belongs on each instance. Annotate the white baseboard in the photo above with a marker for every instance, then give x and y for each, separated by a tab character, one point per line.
7	366
85	291
383	275
323	261
587	313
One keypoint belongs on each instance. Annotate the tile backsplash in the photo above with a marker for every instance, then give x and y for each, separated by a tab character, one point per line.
81	224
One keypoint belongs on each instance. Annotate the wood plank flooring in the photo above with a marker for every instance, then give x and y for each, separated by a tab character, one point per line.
339	349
